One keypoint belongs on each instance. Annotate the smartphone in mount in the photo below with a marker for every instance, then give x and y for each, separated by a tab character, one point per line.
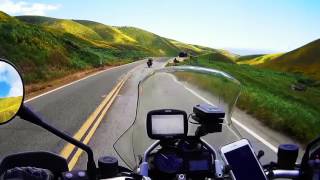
243	161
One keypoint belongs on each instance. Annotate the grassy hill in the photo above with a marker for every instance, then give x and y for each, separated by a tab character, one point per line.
5	17
248	57
66	26
108	33
229	55
267	95
257	59
43	53
8	107
188	47
72	27
36	19
157	44
46	48
101	34
304	60
215	57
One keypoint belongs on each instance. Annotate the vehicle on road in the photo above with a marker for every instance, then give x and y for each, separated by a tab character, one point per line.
183	54
182	130
149	62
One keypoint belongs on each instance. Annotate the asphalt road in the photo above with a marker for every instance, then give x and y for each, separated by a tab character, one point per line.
69	107
122	114
119	117
66	109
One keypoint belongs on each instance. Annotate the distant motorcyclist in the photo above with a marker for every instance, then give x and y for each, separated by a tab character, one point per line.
149	62
175	61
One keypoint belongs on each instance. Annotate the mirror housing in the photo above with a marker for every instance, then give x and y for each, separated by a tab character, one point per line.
11	78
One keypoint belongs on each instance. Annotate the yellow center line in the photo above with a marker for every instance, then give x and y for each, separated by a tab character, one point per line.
66	151
75	158
97	115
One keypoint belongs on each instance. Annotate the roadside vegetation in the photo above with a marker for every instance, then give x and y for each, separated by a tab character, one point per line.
260	59
268	96
304	60
43	53
9	107
45	48
218	86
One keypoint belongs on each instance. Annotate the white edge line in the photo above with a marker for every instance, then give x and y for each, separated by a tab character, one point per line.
265	142
251	132
73	82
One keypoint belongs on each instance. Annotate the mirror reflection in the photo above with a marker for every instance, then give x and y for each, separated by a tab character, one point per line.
11	92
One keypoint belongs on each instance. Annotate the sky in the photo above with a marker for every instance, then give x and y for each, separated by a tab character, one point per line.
237	25
10	81
5	88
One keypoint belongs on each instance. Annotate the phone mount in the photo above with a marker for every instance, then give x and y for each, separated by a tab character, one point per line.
209	117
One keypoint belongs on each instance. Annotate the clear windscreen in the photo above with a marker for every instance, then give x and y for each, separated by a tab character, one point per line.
179	88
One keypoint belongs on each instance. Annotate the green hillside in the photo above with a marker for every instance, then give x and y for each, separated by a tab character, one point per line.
193	49
36	19
43	50
214	57
229	55
267	95
9	107
258	60
248	57
5	17
108	33
72	27
304	60
102	35
65	26
157	44
46	48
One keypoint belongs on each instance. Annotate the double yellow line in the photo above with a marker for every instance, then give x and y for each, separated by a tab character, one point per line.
84	134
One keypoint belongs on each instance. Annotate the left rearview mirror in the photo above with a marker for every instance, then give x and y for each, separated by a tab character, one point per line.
11	91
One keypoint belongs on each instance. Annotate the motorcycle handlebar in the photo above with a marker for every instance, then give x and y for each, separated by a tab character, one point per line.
283	174
271	174
291	174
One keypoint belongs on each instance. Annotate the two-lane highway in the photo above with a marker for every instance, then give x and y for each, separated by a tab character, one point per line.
66	108
122	114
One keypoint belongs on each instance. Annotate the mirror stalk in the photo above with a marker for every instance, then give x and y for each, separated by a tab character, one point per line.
27	114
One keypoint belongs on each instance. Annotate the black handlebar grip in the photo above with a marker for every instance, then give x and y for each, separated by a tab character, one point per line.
287	156
108	166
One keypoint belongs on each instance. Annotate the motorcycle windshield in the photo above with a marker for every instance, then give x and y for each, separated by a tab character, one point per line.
180	88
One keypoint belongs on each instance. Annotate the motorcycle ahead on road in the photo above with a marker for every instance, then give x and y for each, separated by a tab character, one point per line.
183	118
149	62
